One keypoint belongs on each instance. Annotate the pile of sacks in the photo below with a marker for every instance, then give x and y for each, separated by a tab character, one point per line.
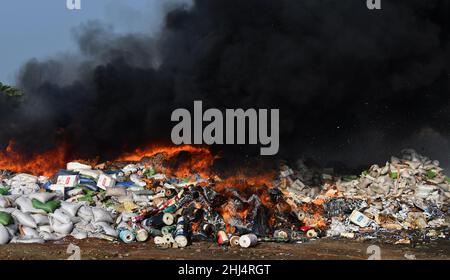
29	214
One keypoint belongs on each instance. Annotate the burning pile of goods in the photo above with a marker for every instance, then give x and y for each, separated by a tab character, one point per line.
139	198
406	200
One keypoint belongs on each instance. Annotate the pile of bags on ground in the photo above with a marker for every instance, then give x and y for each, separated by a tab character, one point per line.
138	201
29	215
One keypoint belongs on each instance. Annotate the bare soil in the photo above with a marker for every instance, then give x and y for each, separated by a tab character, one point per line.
94	249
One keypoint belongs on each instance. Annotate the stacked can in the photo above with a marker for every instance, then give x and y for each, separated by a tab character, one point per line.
126	235
159	220
141	235
181	234
222	238
234	241
248	240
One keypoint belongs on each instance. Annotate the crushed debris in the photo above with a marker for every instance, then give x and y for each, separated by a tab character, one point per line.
404	201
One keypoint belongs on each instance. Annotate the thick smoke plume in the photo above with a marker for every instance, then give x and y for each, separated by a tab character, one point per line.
351	84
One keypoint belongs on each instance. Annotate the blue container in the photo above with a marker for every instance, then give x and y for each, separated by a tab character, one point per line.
127	236
87	181
47	185
125	184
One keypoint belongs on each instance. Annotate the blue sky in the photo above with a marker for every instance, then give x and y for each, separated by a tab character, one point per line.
41	28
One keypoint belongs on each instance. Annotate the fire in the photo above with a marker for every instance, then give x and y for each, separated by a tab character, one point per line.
244	180
182	161
227	216
194	226
247	183
314	214
49	162
200	161
45	164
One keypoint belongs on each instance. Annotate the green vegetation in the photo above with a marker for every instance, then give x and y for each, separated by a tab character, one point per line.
10	91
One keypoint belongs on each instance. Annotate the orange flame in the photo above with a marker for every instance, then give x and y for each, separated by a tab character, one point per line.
243	180
201	159
45	164
314	214
252	183
49	162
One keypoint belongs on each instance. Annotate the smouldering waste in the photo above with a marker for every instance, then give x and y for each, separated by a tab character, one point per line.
143	197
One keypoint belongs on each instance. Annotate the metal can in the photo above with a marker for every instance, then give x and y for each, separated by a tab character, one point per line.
155	221
248	240
181	240
152	231
168	192
281	234
311	233
170	209
159	240
168	219
207	228
168	239
141	235
126	235
234	241
295	235
301	215
222	238
181	235
168	229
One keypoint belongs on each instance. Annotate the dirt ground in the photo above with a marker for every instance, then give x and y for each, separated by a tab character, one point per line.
94	249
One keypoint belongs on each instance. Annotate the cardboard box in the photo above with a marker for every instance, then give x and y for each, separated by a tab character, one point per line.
68	180
105	181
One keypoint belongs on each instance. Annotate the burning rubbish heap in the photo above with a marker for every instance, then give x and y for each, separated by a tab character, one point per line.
406	199
145	197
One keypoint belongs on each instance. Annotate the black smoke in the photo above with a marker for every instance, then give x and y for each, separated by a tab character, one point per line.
351	84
